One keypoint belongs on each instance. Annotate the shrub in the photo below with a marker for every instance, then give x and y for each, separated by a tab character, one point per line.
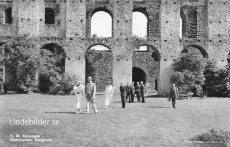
188	73
214	137
52	76
216	79
63	85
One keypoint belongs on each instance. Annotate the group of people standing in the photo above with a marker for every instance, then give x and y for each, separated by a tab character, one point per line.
128	92
88	92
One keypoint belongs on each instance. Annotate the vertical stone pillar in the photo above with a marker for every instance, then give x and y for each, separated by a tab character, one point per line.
75	57
170	43
28	17
75	18
164	76
122	62
76	66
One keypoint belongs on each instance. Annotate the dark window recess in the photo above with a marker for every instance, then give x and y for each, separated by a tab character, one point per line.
57	8
184	51
49	16
8	16
193	0
155	56
50	1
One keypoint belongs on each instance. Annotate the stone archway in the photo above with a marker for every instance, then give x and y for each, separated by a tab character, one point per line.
99	65
91	11
195	50
148	60
138	75
52	64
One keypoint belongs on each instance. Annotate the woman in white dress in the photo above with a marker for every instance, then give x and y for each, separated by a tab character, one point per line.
108	94
79	91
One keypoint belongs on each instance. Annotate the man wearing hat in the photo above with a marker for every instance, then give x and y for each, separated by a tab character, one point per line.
91	95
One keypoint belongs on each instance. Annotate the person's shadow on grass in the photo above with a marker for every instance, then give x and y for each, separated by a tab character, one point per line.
157	107
62	112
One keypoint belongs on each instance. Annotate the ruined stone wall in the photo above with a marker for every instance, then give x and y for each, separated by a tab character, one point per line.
144	61
218	30
72	31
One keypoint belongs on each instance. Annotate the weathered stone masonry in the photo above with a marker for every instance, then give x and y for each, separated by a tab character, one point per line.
206	26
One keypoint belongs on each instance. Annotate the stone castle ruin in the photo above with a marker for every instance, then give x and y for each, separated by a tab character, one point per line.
67	24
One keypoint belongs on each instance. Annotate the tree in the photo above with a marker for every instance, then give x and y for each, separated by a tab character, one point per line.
52	76
216	79
188	72
21	61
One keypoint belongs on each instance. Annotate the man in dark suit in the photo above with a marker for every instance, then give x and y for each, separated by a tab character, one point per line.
132	91
174	94
5	87
128	94
137	90
142	91
123	94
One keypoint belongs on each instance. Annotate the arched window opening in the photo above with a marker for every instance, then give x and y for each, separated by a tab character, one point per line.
99	48
155	56
139	25
143	48
8	16
195	50
49	16
101	24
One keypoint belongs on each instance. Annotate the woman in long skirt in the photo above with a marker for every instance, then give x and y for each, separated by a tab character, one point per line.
108	94
79	91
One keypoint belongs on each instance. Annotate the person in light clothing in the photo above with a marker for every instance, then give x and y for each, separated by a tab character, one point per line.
91	95
79	90
108	94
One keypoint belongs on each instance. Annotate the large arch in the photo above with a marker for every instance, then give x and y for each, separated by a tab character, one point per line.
140	24
52	63
101	24
99	65
149	62
188	49
91	11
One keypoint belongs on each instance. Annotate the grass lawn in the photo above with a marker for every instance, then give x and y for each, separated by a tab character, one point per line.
153	124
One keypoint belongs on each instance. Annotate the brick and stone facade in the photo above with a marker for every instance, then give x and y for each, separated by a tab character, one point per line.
205	26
